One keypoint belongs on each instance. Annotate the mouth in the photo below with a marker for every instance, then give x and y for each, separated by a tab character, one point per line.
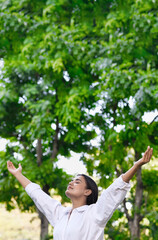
69	187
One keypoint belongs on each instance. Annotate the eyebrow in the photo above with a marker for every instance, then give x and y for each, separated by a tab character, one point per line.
77	179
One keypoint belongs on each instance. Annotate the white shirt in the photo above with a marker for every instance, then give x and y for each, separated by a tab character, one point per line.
84	223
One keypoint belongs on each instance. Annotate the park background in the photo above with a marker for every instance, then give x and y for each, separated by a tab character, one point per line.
79	77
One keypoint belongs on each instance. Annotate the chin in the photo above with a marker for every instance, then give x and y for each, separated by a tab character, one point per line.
67	193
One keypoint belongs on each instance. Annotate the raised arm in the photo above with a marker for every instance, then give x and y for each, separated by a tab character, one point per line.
50	207
145	159
17	172
116	192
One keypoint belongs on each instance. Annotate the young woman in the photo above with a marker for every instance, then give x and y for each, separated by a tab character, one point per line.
87	217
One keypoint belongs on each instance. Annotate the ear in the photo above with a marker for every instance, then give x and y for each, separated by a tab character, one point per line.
87	192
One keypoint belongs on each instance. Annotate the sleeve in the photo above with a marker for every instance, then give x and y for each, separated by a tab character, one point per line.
51	208
110	200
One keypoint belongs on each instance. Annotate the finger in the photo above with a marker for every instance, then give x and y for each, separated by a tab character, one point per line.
148	149
148	152
9	163
151	152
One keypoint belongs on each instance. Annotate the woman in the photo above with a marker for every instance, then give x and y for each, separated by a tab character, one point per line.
87	217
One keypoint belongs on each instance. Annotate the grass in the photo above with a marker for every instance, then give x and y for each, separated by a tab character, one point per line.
15	225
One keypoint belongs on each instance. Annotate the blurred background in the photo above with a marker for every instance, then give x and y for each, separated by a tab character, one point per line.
78	93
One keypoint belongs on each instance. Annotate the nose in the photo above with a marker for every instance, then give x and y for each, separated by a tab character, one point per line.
71	183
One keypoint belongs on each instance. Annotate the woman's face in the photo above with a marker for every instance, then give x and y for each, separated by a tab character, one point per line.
77	188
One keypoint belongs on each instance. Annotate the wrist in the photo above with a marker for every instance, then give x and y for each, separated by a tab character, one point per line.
17	174
138	163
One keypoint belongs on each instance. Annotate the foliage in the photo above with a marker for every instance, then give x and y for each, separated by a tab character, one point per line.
71	69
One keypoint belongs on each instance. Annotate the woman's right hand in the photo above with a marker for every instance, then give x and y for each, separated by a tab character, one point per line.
12	169
17	172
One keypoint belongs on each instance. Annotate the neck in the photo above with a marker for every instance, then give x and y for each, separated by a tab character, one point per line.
78	203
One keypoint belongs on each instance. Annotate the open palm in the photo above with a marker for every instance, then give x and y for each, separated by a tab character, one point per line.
147	156
12	169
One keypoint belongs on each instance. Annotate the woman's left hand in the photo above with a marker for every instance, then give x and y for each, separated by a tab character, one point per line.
146	157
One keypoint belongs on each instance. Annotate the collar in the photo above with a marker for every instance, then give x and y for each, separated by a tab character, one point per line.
79	209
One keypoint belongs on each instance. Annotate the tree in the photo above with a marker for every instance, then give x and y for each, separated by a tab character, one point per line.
63	59
45	93
128	69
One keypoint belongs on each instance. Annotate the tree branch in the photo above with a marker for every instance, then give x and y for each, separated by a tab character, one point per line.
55	142
39	152
154	119
129	218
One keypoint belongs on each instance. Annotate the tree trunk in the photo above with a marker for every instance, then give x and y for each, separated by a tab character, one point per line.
44	226
44	221
135	223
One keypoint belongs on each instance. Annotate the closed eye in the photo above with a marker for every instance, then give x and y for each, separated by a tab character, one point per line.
77	182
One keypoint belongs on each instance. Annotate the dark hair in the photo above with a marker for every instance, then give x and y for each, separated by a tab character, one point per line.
92	198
